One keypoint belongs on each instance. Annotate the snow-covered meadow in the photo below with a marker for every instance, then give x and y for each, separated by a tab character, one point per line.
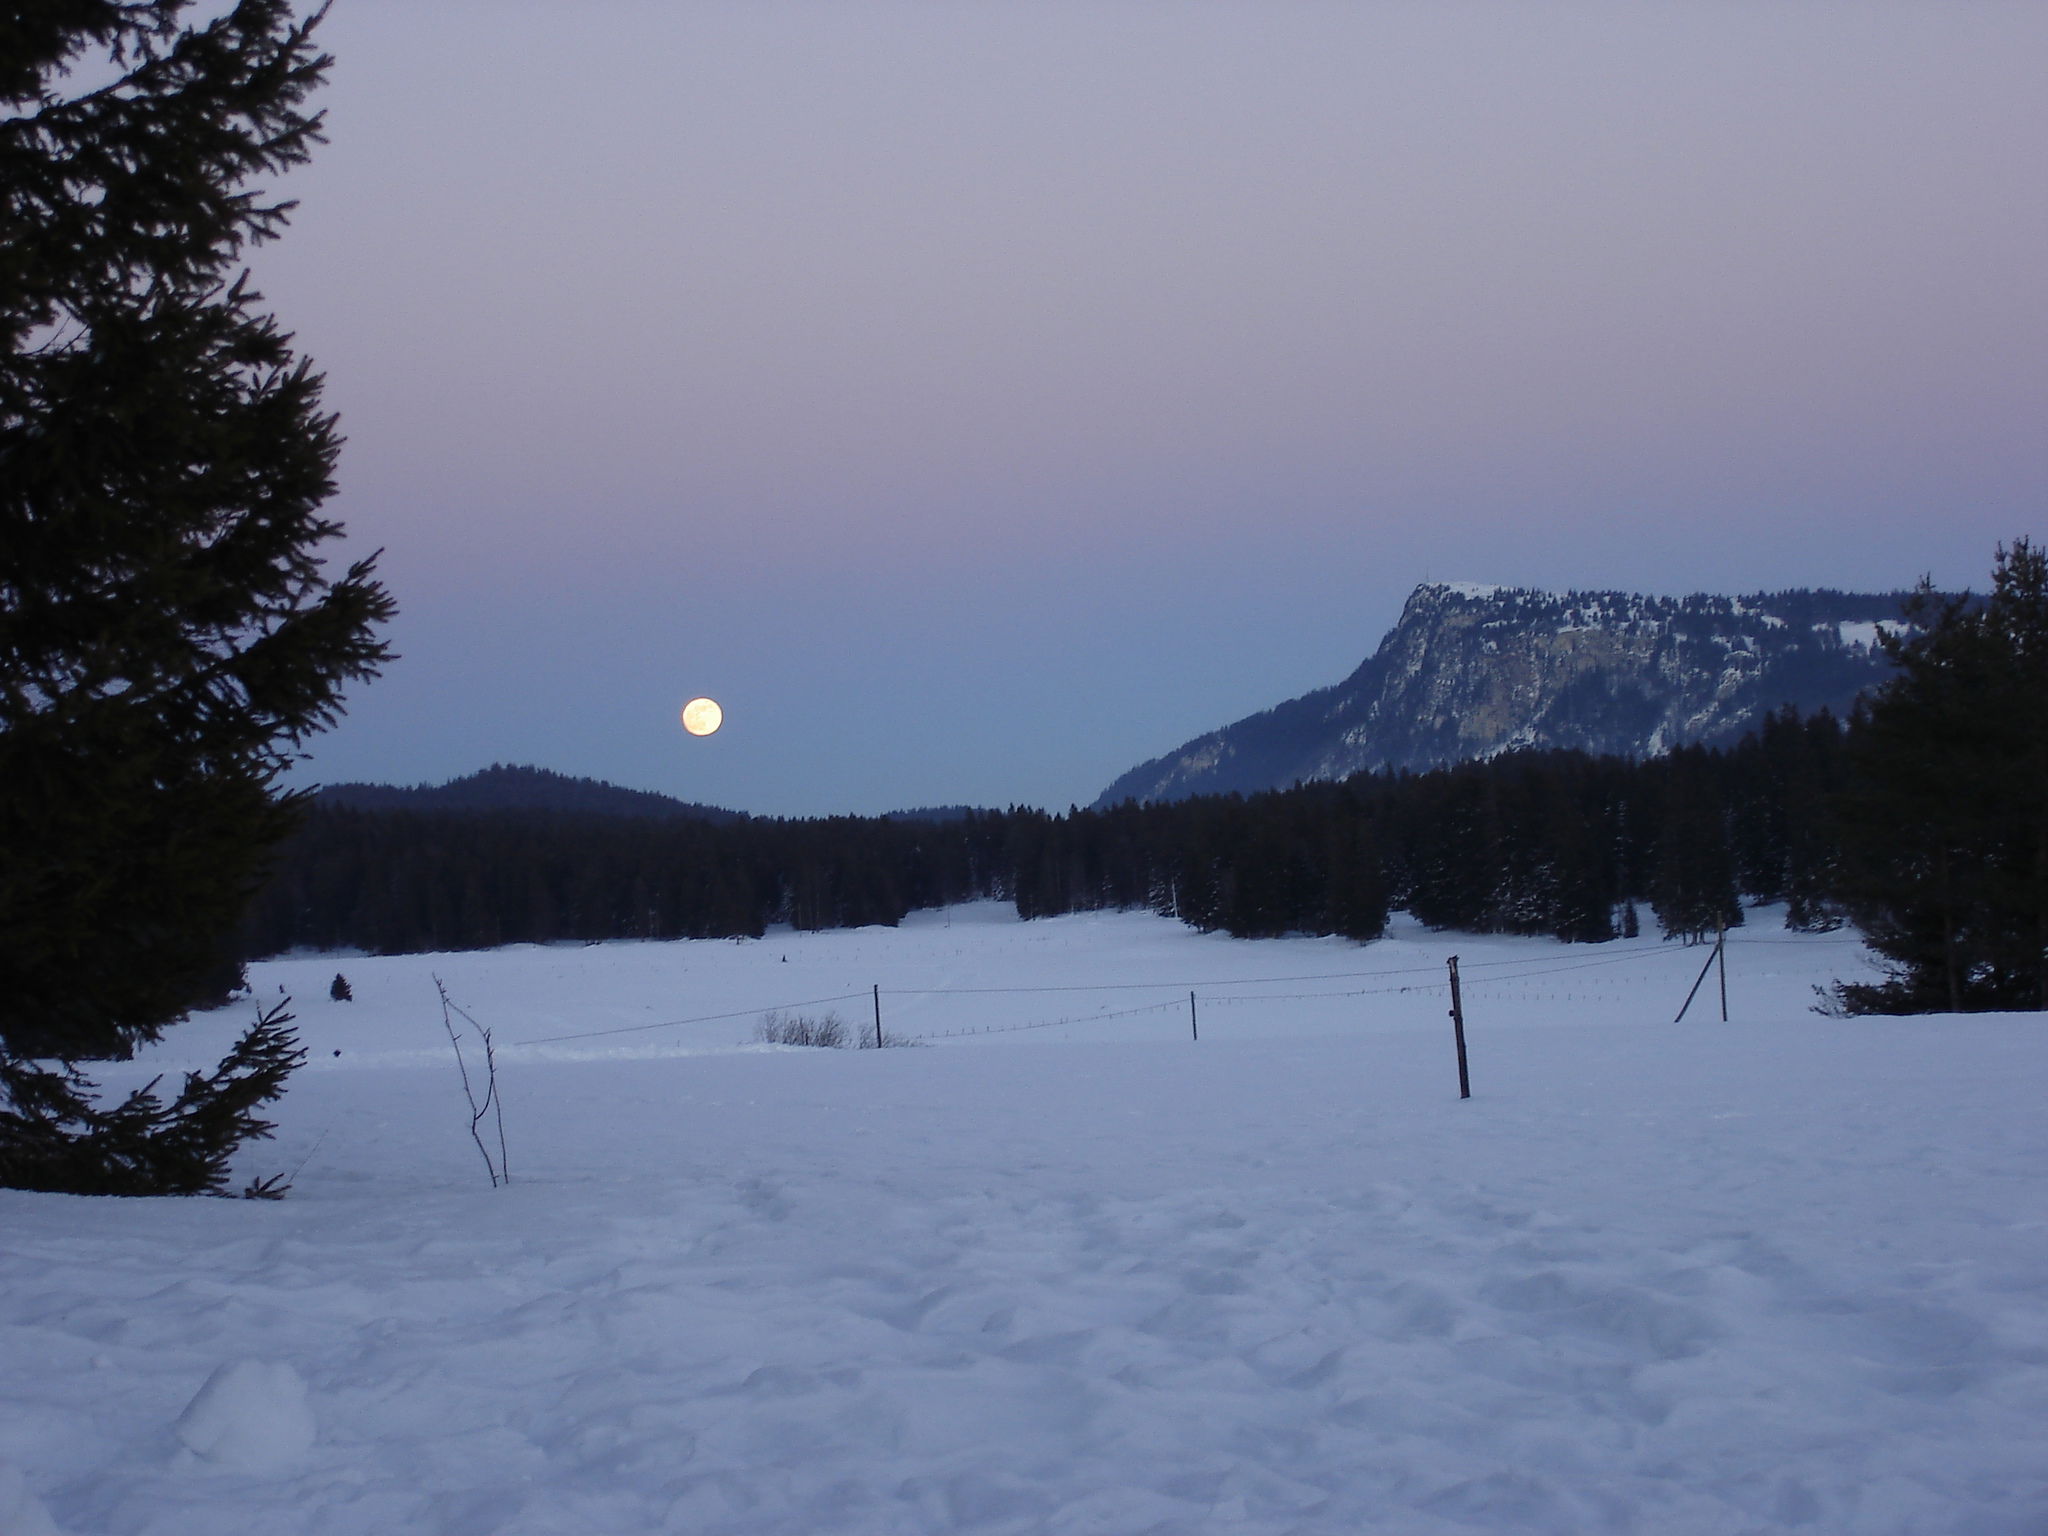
1092	1278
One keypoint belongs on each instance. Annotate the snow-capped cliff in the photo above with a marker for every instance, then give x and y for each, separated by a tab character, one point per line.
1471	671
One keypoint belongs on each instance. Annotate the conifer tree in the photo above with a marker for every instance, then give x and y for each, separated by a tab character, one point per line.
1945	824
169	633
1693	888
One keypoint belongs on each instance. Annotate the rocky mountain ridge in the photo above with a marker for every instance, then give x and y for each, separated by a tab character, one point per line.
1473	671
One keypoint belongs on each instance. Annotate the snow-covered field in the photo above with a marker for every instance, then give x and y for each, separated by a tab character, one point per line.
1094	1278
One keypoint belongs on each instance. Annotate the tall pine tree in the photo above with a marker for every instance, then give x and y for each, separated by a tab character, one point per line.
168	630
1945	823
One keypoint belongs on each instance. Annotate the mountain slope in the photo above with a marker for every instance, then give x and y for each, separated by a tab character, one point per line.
1472	671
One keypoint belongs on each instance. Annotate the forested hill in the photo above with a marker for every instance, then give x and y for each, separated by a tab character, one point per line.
1470	672
503	787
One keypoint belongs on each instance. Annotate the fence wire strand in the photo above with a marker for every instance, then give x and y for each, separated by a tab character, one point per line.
1010	1029
1530	971
708	1018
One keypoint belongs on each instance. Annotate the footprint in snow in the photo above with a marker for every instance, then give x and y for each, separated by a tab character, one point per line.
1638	1324
763	1199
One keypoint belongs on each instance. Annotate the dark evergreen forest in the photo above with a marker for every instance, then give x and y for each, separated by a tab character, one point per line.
1555	843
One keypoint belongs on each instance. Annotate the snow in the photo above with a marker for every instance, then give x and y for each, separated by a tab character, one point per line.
21	1512
1092	1276
251	1415
1858	636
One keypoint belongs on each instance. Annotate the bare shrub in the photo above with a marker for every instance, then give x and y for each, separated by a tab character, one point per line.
498	1168
826	1032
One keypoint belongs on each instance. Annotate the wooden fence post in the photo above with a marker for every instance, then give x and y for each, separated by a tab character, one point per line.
1458	1030
1721	954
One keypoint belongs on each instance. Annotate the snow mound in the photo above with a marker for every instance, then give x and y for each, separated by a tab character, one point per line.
251	1416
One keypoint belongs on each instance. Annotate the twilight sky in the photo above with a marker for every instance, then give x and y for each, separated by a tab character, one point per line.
977	397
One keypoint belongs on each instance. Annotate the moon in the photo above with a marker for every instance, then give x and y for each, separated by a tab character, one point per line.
702	716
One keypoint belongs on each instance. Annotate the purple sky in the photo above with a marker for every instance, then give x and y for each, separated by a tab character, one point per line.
979	398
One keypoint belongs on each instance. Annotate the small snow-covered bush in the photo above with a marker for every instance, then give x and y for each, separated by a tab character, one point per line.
827	1032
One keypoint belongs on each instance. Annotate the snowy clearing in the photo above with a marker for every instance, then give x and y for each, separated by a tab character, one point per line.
1090	1278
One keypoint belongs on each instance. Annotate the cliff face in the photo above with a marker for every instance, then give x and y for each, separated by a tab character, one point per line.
1471	671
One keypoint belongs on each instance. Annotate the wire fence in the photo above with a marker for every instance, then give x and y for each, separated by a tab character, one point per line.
1480	974
1172	1004
702	1018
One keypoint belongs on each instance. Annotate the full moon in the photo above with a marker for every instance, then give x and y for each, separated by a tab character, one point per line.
702	716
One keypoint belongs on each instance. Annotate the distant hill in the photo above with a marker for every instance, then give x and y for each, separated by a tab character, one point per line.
1472	671
503	787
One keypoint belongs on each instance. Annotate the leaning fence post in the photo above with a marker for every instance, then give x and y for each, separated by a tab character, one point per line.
878	1015
1194	1029
1458	1030
1700	980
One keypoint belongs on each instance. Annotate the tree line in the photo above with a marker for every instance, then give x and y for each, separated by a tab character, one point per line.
1556	842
